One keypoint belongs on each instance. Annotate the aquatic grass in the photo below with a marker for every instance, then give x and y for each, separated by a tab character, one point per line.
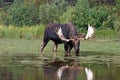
24	51
33	32
100	47
107	34
36	32
89	47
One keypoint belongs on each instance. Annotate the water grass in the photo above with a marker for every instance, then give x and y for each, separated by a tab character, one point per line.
90	47
11	32
107	34
24	51
36	32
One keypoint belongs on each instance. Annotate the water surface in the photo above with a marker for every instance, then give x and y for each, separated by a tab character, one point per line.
32	67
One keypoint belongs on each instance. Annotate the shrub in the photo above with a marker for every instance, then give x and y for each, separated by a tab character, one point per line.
81	14
50	12
20	14
98	16
67	16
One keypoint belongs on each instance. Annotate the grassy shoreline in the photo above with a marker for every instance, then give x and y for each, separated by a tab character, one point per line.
91	51
89	47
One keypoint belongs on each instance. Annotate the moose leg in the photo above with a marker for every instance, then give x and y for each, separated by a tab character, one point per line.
66	47
54	51
44	44
69	49
77	53
55	47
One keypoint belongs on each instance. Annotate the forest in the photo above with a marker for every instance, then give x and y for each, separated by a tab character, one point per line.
27	18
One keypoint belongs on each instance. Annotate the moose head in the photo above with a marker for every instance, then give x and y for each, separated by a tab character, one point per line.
89	34
75	40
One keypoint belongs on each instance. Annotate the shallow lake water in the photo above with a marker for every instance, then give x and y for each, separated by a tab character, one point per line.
32	67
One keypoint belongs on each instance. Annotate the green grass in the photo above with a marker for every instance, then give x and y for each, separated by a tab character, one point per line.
36	32
26	32
107	34
23	51
88	47
101	47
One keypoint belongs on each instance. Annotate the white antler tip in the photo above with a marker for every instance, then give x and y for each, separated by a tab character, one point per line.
90	32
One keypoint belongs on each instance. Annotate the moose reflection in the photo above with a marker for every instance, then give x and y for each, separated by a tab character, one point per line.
61	70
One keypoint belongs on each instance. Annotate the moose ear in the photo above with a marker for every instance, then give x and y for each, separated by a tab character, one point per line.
81	35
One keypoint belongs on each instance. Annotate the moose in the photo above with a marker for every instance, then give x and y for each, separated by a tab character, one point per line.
67	34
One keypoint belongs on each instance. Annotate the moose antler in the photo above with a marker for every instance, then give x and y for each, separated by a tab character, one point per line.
90	32
60	34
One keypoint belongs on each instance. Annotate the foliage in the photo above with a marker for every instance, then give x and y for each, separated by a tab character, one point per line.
36	32
51	12
81	13
99	16
117	17
36	12
20	14
67	16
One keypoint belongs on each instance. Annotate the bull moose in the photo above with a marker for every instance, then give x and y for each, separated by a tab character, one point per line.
67	34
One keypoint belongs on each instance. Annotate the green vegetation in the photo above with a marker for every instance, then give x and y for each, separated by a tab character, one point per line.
23	46
33	32
22	57
23	18
22	24
27	52
36	32
22	13
103	16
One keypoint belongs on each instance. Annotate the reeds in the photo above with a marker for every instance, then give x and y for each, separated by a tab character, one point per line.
36	32
33	32
107	34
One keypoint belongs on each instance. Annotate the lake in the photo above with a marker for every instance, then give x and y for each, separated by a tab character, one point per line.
33	67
